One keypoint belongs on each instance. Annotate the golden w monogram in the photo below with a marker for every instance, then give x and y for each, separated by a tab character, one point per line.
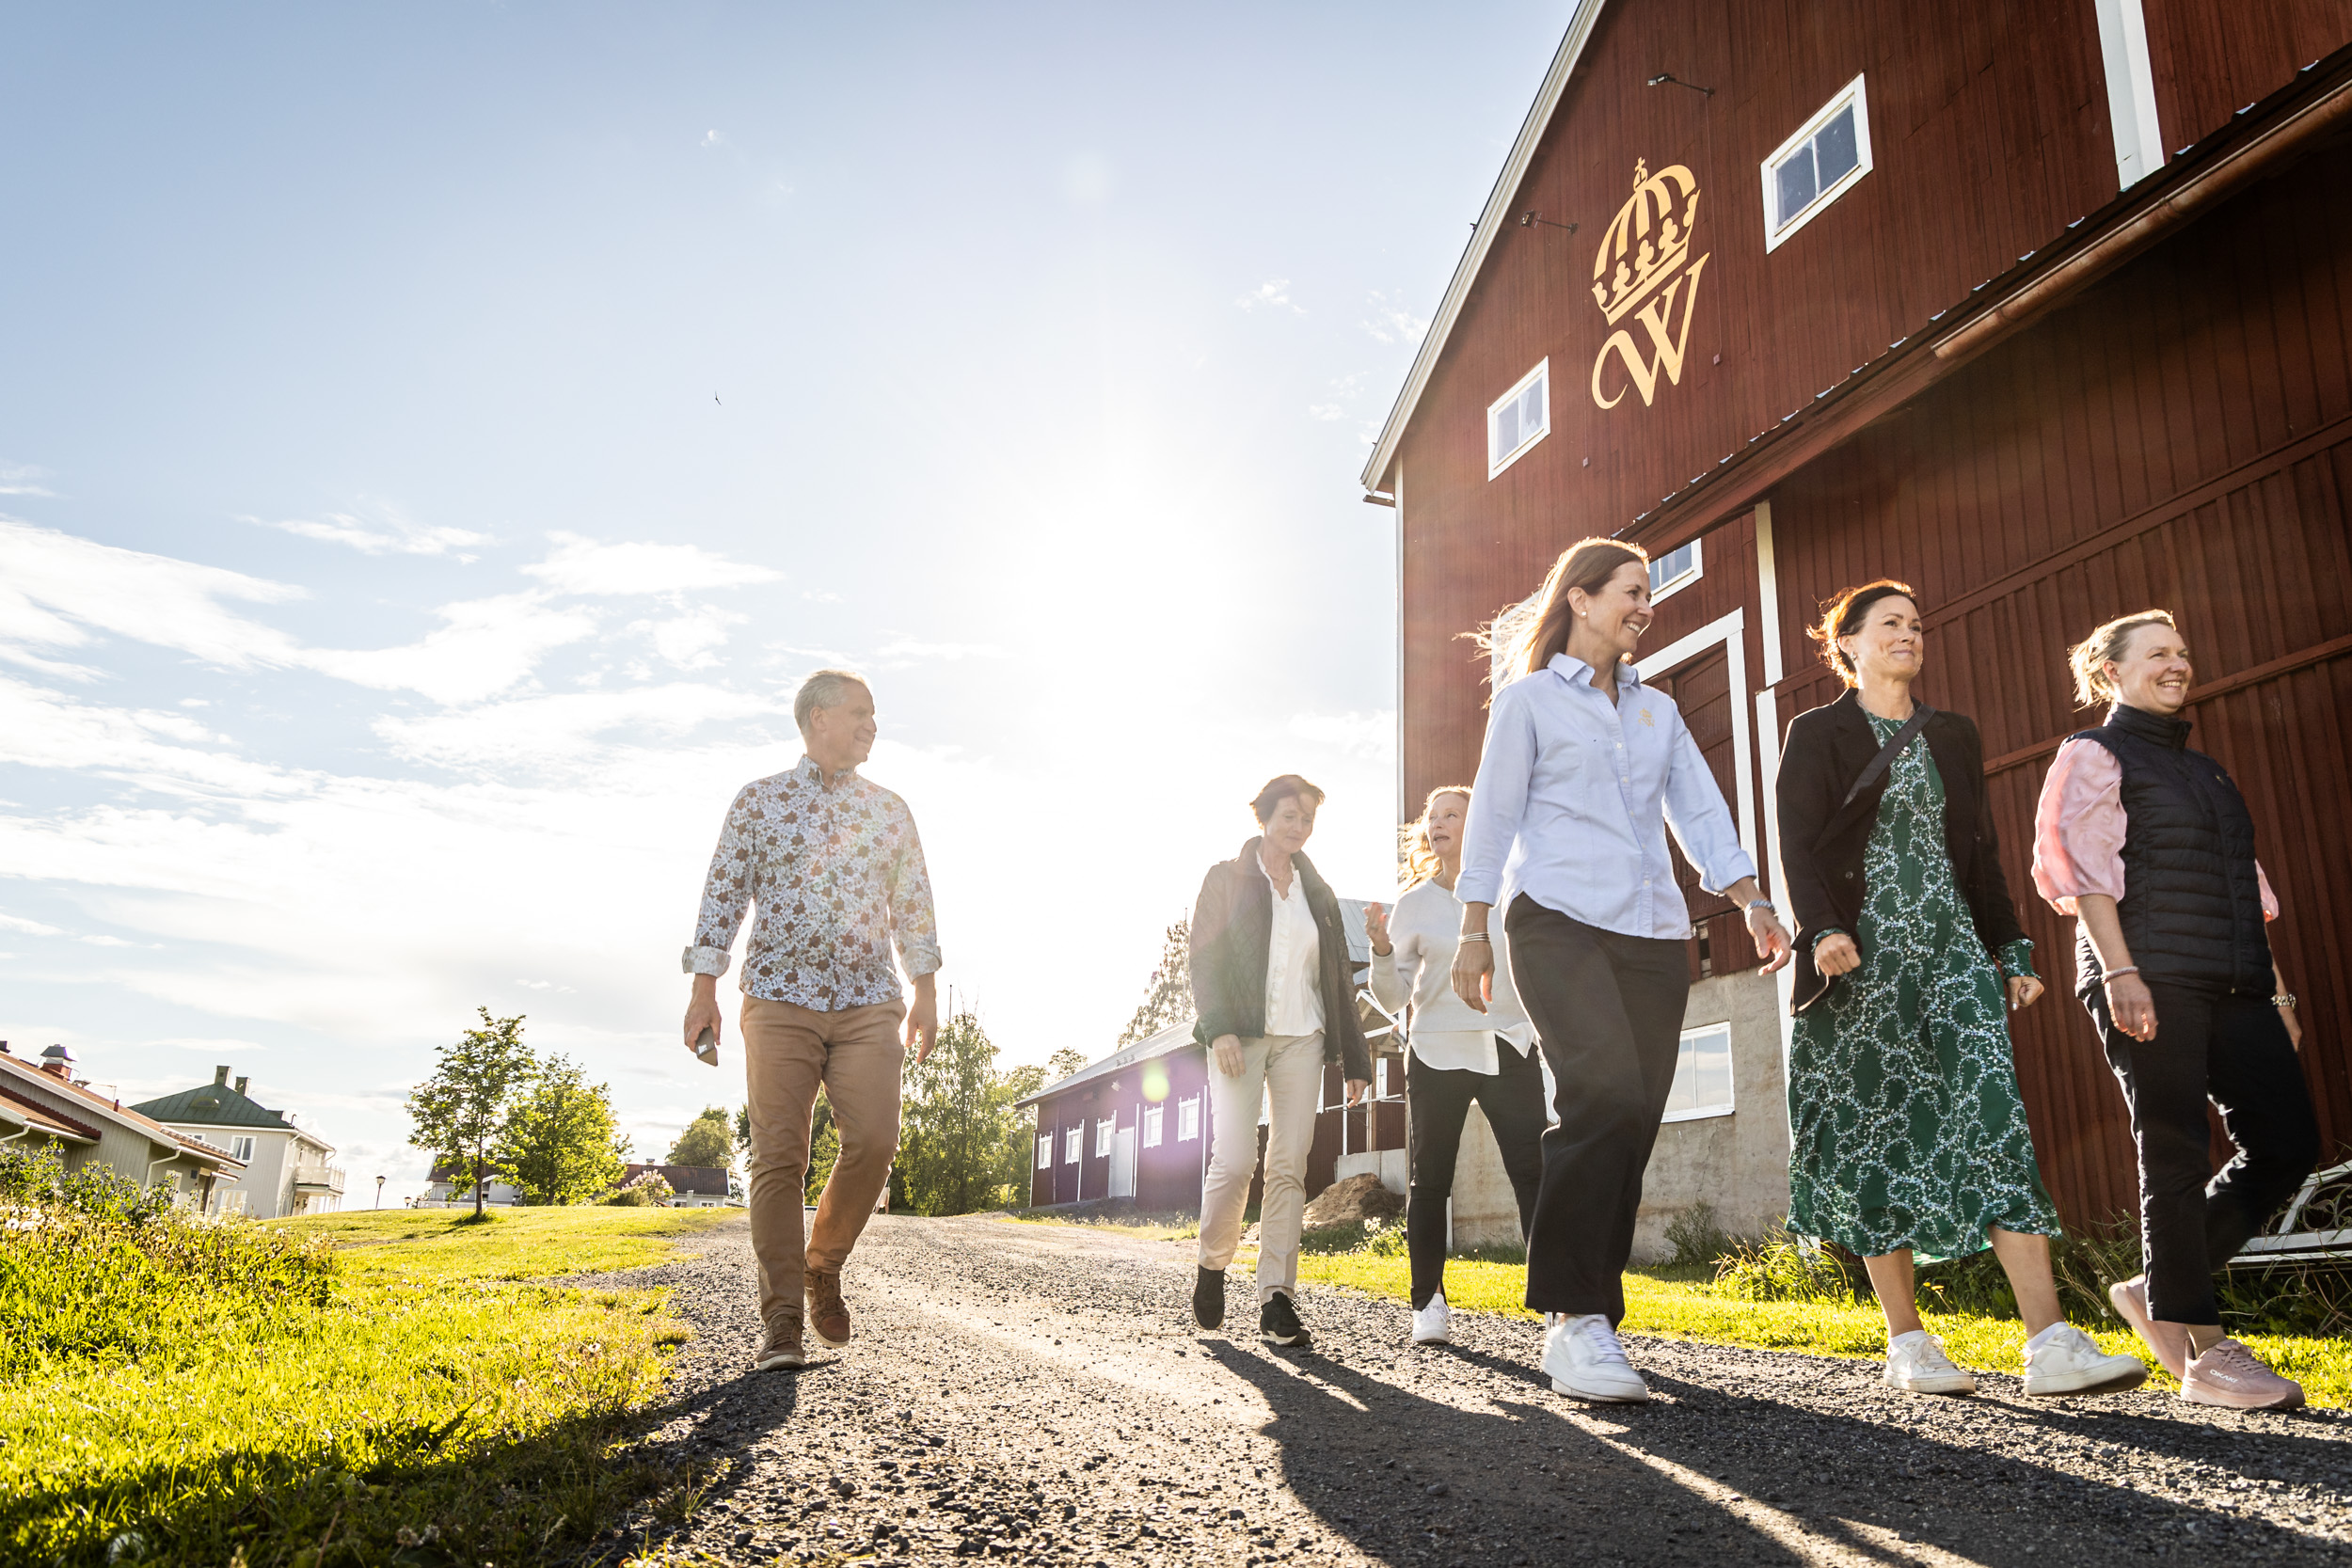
1650	247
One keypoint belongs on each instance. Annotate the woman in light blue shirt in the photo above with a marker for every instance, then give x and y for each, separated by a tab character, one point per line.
1584	769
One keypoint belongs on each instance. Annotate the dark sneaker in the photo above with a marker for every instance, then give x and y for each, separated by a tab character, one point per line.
827	1315
1208	1297
1278	1324
781	1346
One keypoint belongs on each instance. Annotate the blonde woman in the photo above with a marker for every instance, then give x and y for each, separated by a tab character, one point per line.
1455	1055
1584	767
2151	847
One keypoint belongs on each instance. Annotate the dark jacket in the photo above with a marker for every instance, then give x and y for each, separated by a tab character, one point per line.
1233	922
1822	845
2192	906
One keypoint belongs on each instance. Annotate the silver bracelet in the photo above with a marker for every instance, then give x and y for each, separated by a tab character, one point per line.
1477	936
2112	974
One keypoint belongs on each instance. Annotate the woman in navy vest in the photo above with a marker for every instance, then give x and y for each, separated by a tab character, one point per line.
2150	846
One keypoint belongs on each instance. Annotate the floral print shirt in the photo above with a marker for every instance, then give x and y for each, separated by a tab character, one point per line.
837	875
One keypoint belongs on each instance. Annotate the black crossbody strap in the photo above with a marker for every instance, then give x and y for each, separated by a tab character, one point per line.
1921	713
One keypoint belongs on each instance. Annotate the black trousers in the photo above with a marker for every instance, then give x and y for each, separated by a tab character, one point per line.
1437	1101
1608	1010
2233	1050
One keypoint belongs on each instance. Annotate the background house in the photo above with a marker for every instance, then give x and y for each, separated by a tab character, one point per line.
690	1186
450	1185
47	1106
2040	309
289	1168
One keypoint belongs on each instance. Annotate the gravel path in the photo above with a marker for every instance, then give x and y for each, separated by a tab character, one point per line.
1038	1394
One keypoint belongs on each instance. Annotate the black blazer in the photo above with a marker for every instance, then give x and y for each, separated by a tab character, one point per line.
1822	845
1233	922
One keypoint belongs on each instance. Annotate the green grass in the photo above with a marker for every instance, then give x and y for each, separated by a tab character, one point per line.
419	1396
1683	1303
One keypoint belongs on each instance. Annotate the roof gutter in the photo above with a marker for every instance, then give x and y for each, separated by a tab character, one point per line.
2267	134
1491	224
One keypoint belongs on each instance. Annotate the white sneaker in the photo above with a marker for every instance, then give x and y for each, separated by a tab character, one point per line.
1585	1362
1916	1363
1433	1324
2062	1359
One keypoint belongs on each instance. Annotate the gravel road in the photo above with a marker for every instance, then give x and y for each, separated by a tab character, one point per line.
1038	1394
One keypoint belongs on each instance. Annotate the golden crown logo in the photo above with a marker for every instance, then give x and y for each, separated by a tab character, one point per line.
1645	260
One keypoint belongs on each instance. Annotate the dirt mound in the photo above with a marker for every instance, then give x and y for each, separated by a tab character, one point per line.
1359	1198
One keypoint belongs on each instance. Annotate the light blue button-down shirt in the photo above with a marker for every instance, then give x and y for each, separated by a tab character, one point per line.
1574	797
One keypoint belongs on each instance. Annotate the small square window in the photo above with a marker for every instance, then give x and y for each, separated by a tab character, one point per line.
1520	418
1188	1119
241	1148
1677	569
1071	1145
1045	1151
1702	1085
1818	165
1102	1137
1154	1118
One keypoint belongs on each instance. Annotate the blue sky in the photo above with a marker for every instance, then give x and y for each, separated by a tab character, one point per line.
435	441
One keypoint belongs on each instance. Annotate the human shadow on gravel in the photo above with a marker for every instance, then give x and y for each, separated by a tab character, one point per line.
1409	1478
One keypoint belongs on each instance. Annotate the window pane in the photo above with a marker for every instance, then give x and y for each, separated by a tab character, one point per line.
1833	151
1531	408
1712	1074
1506	428
1682	1096
1797	184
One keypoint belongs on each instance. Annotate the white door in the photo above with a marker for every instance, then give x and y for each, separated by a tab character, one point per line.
1123	1163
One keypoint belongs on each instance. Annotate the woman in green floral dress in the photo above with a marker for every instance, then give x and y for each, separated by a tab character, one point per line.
1909	1134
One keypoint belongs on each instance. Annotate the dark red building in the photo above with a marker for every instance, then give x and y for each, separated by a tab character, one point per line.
2045	309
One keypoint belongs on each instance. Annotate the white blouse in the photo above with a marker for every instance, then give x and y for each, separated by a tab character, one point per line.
1294	989
1425	929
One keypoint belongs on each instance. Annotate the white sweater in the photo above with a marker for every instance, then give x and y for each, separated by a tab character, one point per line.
1425	929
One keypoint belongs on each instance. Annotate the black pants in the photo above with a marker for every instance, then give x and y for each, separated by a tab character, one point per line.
2234	1051
1436	1102
1608	1010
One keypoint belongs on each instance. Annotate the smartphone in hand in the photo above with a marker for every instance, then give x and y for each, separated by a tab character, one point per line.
706	1047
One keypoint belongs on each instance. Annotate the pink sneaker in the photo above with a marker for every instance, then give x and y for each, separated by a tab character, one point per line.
2169	1342
2228	1375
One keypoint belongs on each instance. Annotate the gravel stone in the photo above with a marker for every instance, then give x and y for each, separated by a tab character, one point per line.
1038	1394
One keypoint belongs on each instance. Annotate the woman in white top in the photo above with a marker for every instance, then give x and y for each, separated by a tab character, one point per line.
1456	1055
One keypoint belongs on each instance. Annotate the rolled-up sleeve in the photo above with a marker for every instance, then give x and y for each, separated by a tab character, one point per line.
726	893
2078	827
914	923
1506	765
1701	822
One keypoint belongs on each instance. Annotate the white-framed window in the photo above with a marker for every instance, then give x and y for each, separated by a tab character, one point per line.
1702	1075
1187	1119
1072	1145
241	1148
1381	1078
1675	571
1154	1118
1045	1151
1103	1136
1814	167
1518	419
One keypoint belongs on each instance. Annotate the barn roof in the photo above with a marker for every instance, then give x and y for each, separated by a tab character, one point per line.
1491	224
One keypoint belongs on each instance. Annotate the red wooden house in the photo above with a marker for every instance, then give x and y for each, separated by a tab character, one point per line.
2045	309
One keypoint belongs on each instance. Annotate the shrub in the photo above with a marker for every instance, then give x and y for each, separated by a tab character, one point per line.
1780	1268
649	1190
1696	1236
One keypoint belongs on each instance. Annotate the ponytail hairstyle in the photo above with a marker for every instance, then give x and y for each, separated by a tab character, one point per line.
1420	860
1528	642
1842	617
2090	658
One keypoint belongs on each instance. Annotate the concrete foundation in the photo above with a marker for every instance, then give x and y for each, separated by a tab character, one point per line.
1737	1163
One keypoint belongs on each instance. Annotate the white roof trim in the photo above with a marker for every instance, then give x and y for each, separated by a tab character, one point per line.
1491	223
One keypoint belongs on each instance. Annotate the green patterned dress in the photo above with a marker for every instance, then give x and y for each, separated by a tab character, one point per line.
1909	1131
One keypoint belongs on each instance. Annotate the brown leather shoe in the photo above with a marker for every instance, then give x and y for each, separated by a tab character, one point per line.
828	1318
782	1345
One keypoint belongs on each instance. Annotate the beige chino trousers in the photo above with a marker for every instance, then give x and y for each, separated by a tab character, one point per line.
790	1051
1286	1072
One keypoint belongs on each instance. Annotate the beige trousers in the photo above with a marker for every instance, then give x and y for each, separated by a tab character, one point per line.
787	1052
1286	1072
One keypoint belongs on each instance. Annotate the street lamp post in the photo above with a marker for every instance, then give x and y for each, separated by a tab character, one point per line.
379	1192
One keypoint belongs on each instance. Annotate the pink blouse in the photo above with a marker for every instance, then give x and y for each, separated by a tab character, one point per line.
2078	830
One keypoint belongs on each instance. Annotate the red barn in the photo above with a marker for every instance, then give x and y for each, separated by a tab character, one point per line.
2047	310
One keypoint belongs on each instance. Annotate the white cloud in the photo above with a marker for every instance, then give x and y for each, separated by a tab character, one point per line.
485	647
686	640
1391	323
584	567
1323	410
1369	735
211	1047
903	650
54	588
559	731
1274	293
16	479
29	927
385	530
713	138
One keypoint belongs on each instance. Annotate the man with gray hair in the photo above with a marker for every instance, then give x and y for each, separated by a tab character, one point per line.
837	871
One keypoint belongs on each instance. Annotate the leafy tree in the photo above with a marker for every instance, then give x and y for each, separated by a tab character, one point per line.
1062	1063
824	1149
706	1141
461	1112
961	1145
561	1145
1167	995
